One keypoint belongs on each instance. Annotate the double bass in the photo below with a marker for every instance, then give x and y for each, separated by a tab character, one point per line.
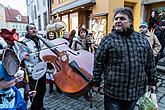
71	79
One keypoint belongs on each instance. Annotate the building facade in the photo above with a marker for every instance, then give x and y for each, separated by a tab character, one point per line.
95	15
2	16
38	14
14	20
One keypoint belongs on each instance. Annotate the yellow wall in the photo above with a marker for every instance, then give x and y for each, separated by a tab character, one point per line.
108	6
113	4
136	9
101	6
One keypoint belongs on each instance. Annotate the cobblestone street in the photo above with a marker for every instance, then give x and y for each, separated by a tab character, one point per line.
56	101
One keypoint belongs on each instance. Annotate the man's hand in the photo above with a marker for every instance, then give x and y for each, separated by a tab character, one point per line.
96	88
152	88
32	93
25	55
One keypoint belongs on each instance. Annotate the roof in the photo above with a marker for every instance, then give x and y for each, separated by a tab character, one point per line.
72	5
13	15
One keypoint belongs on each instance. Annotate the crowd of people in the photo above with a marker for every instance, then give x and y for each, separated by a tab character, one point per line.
125	58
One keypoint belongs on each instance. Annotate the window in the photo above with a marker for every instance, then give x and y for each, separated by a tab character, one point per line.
98	26
39	22
18	18
45	20
38	5
65	20
20	28
35	12
44	3
32	14
74	21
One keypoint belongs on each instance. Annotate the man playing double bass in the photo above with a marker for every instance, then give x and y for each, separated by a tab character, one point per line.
30	58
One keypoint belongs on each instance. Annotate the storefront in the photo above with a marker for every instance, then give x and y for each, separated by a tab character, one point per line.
95	15
75	13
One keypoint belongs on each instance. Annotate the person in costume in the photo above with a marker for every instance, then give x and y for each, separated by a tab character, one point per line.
10	97
50	35
7	39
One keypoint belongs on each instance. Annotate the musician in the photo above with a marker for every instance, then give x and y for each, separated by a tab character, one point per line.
33	45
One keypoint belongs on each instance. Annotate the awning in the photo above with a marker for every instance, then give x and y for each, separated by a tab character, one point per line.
77	3
145	2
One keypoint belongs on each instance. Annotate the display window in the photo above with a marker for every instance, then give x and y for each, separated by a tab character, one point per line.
98	26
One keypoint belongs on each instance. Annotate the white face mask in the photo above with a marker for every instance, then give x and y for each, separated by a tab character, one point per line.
51	35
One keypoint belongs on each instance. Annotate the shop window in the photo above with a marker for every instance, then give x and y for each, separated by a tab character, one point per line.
74	22
65	20
98	26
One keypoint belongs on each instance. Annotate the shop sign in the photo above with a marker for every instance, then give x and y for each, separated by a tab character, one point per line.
64	1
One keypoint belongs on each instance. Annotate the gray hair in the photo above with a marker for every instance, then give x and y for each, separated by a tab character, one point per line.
127	11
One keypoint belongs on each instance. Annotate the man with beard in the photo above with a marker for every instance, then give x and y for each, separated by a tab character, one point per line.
127	62
30	58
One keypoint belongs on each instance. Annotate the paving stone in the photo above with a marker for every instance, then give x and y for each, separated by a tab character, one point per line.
161	106
163	100
161	89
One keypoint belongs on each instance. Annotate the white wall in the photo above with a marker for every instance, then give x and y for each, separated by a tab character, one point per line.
2	16
41	8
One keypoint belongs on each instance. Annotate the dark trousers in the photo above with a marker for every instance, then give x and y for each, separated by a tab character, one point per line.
160	55
37	103
117	104
50	86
